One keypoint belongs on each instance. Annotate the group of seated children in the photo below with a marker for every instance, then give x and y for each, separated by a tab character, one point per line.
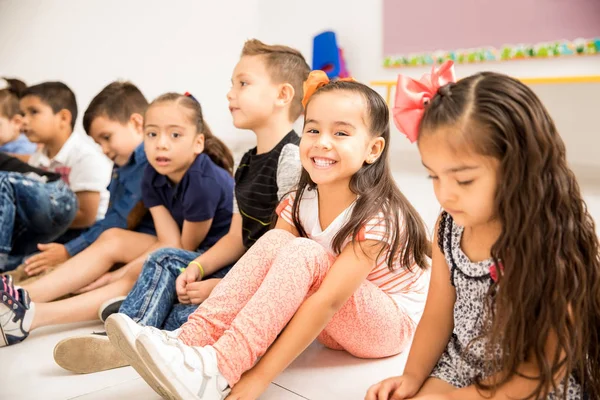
212	280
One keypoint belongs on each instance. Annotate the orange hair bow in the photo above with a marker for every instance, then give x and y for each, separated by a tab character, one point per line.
316	79
413	95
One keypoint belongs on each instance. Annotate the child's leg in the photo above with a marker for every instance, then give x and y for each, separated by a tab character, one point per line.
83	307
113	246
31	212
153	295
44	212
297	271
369	325
216	313
178	316
8	211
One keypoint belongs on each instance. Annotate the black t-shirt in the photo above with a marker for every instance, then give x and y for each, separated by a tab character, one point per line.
12	164
256	189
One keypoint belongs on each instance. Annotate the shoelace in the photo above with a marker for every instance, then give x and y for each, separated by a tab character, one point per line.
9	288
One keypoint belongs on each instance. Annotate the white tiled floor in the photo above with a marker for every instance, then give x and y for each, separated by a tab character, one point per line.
29	372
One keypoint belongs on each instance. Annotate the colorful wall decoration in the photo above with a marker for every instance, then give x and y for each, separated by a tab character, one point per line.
420	33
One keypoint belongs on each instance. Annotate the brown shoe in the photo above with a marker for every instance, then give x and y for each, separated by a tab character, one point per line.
88	353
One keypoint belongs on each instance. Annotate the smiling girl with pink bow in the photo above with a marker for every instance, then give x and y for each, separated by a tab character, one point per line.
514	302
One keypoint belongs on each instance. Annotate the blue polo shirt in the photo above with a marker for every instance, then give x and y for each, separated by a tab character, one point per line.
125	193
21	145
205	192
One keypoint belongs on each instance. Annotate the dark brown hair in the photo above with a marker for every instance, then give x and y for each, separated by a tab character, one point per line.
9	97
548	245
117	102
57	95
213	146
286	65
377	192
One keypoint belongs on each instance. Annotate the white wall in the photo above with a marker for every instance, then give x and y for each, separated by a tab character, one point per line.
189	45
160	46
357	24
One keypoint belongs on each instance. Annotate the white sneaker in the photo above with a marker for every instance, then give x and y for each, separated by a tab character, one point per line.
122	332
185	372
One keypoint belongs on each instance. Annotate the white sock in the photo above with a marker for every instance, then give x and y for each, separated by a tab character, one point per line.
29	317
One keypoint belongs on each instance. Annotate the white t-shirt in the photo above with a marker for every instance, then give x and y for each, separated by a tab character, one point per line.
81	165
407	287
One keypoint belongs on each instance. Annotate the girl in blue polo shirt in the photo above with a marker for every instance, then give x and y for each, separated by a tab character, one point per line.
188	188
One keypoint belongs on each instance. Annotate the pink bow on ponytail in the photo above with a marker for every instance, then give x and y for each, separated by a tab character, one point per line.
412	96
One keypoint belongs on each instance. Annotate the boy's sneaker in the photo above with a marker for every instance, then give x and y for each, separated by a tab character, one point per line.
110	307
88	353
183	371
16	312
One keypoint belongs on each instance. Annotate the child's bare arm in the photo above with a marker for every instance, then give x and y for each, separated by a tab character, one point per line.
88	209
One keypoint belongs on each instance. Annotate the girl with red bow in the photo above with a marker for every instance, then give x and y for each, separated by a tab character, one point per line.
514	301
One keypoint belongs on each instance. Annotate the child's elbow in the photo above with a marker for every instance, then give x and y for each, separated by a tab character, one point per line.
83	220
327	304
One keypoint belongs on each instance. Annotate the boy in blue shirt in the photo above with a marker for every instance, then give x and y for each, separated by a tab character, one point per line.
114	119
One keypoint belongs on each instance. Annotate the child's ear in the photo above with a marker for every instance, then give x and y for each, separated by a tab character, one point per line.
137	121
65	117
377	146
198	144
17	122
286	94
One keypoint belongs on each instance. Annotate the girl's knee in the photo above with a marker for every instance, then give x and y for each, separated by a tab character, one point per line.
277	235
306	247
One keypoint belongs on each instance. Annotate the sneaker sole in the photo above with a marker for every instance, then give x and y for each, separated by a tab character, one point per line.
167	379
88	354
114	330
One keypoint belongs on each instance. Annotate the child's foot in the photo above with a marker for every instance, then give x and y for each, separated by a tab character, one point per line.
16	312
185	372
110	307
88	353
122	332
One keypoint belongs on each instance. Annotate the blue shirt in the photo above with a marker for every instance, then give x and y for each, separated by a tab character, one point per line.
125	193
21	145
205	192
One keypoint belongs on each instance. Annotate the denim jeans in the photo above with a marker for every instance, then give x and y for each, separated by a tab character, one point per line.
153	299
31	212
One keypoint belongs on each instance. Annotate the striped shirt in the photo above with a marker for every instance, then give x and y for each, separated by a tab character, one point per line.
408	287
261	180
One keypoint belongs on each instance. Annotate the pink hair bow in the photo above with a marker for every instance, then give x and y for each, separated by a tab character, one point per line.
412	96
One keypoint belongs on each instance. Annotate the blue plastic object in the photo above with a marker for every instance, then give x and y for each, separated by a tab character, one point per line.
326	55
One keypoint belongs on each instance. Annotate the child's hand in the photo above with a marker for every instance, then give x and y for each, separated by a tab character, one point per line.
52	254
249	387
396	388
189	275
197	292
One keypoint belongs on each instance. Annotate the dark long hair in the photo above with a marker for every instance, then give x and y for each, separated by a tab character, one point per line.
213	146
377	192
550	284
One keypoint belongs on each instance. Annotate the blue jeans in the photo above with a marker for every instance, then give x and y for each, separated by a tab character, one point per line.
153	299
31	212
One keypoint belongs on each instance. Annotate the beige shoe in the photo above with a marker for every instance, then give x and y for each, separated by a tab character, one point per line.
88	353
